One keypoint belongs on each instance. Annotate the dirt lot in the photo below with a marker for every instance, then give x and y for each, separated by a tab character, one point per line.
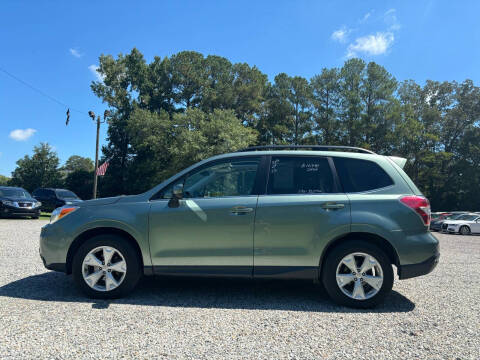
42	314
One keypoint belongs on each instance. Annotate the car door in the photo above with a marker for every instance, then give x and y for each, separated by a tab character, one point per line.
302	210
211	230
476	225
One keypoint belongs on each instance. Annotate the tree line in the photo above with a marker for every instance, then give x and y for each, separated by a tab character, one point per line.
43	169
173	111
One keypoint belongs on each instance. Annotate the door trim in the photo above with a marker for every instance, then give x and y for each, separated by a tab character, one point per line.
257	272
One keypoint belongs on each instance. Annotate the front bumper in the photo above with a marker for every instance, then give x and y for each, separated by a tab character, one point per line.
19	211
52	250
414	270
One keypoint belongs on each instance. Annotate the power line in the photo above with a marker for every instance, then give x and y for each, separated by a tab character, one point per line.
41	92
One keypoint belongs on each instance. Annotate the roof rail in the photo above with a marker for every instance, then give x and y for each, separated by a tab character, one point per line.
307	147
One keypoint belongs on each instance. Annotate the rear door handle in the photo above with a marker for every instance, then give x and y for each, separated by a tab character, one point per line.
240	210
332	206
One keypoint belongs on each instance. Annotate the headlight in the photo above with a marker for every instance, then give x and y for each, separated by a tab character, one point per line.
61	212
37	204
10	203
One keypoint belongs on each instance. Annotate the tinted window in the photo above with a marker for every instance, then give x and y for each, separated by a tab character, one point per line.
66	194
300	175
361	175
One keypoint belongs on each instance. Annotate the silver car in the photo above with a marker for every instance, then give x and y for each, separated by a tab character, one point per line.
467	224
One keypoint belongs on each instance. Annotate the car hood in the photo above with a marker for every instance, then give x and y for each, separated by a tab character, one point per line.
99	202
111	200
18	199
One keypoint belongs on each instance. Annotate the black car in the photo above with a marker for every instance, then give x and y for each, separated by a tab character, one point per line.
15	201
55	198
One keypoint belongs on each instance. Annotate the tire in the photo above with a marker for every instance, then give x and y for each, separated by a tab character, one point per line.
348	294
123	250
464	230
34	217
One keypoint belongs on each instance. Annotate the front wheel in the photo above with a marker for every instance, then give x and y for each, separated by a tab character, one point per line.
106	267
357	274
464	230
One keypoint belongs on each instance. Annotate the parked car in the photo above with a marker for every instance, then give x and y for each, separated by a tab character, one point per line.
436	224
15	201
55	198
339	217
465	225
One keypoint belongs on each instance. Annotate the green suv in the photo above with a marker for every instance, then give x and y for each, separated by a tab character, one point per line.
336	215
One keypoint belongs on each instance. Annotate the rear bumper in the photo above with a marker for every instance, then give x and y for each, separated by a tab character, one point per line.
414	270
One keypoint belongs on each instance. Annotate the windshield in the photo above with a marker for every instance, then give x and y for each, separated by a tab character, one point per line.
66	194
15	193
455	217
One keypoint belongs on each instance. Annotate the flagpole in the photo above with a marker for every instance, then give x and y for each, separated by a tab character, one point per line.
95	176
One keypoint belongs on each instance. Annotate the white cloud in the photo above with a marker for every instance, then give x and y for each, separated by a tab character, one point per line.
22	135
365	17
75	52
371	44
341	34
94	70
390	18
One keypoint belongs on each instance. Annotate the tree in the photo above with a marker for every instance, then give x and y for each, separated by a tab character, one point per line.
176	110
4	181
39	170
76	162
80	181
351	108
326	101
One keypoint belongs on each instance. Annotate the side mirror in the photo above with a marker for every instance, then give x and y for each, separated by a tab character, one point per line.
177	194
177	191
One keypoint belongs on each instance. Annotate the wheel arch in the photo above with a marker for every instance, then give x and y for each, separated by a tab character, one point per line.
374	239
88	234
465	225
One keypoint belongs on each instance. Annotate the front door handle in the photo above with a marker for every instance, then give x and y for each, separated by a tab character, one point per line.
240	210
332	206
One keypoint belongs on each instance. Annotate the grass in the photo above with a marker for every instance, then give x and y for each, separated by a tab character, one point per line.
45	215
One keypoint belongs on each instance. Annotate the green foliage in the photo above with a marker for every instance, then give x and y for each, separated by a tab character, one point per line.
39	170
167	114
4	180
80	181
75	163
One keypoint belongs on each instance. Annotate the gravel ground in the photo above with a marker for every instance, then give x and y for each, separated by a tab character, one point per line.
43	316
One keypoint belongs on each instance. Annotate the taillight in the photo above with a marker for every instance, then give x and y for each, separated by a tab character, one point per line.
420	204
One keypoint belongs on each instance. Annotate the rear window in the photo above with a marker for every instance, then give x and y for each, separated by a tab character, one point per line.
300	175
361	175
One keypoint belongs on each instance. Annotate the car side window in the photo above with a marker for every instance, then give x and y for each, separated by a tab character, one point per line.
358	175
300	175
235	177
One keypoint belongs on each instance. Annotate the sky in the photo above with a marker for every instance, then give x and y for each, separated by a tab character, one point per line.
54	46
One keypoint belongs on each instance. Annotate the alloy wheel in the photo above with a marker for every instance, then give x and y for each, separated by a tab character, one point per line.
104	268
359	276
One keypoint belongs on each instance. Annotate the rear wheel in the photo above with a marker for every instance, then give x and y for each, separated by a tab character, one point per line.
464	230
357	274
106	267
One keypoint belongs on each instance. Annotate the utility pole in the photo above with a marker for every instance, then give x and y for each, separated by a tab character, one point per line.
98	121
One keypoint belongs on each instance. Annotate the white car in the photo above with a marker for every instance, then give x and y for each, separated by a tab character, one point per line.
470	223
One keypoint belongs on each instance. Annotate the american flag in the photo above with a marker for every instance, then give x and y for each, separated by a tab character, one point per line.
102	169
